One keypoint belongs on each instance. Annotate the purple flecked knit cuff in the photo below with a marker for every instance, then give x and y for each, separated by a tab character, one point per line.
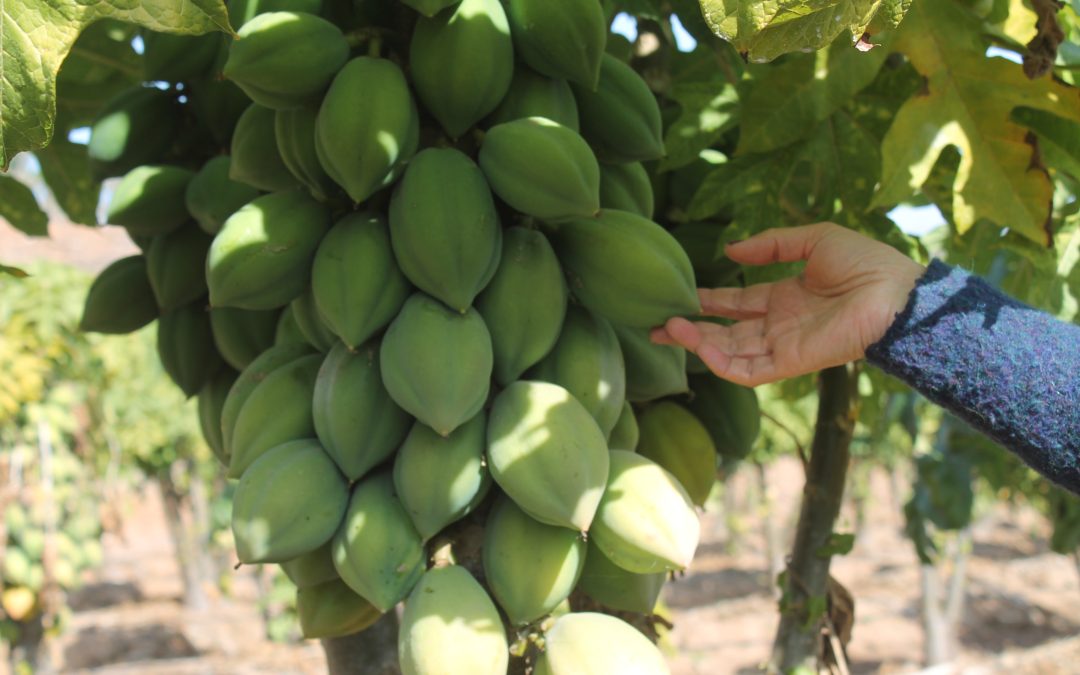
1009	370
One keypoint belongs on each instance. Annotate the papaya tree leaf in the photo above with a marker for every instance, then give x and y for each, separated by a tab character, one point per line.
67	173
101	63
1059	139
37	37
13	271
19	207
708	107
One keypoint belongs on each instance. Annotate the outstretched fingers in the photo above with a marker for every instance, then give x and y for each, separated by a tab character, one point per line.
785	244
735	303
746	338
748	371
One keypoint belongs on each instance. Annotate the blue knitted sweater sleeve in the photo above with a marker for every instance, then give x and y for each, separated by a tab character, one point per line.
1009	370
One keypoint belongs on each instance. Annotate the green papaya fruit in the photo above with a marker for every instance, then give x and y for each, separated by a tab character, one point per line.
627	268
285	60
312	568
287	329
541	168
430	8
626	434
211	402
547	453
443	226
256	159
729	411
120	300
437	363
242	11
560	38
356	281
614	587
250	377
331	609
377	551
185	346
530	567
149	200
311	324
587	361
620	117
675	438
218	105
620	47
522	333
211	196
289	502
168	57
450	626
652	371
626	187
355	418
135	127
534	95
367	126
241	335
570	648
294	131
262	258
701	243
462	61
440	480
175	264
645	522
276	411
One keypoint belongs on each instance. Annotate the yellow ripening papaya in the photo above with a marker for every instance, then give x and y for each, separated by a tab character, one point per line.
377	552
534	95
626	268
451	627
331	609
149	200
311	323
571	647
211	401
614	587
168	57
626	187
530	567
440	480
120	300
436	363
547	453
289	502
430	8
255	158
294	131
312	568
675	438
367	127
186	348
620	117
241	335
626	434
652	371
285	60
443	226
176	264
560	38
135	127
729	411
211	196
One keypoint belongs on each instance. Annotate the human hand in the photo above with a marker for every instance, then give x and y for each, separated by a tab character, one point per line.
847	296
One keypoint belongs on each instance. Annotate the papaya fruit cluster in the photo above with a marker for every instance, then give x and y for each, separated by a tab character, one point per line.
412	289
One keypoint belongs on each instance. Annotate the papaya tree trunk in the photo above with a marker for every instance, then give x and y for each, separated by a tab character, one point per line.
370	652
774	559
804	600
183	541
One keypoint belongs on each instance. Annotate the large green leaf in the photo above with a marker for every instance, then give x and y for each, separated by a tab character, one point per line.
36	37
966	103
101	63
708	105
1059	139
19	207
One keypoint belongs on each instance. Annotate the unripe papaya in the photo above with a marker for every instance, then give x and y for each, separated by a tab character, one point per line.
534	95
626	434
614	587
311	324
175	264
462	62
186	347
242	11
256	160
541	168
168	57
626	187
436	363
560	38
355	418
211	401
262	258
275	412
367	126
530	567
331	609
430	8
285	60
451	627
646	522
547	453
377	551
700	241
626	268
588	362
729	411
218	105
312	568
294	131
135	127
620	117
571	647
356	281
287	329
523	332
440	480
149	200
443	226
289	502
620	47
120	300
211	196
652	371
675	438
241	335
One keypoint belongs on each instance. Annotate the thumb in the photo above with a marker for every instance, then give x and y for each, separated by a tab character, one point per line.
782	244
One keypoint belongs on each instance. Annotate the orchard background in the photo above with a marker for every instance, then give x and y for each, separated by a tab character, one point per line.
117	550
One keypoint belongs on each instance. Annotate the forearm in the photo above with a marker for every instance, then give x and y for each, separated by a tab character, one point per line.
1009	370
